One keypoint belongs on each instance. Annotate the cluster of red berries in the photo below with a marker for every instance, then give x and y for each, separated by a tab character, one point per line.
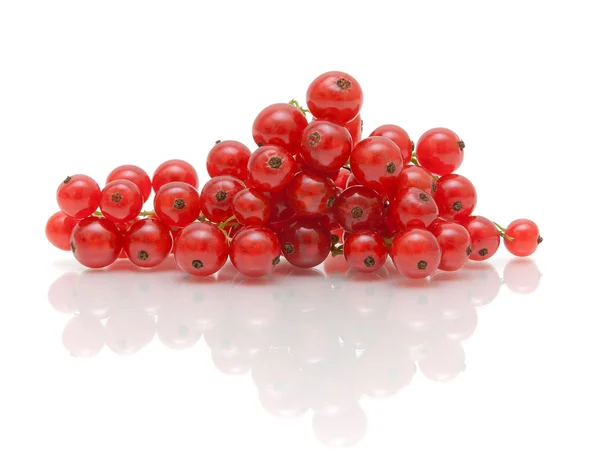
310	188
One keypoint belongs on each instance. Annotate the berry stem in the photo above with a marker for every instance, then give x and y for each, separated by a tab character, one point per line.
295	103
229	222
202	218
143	213
502	232
339	250
413	160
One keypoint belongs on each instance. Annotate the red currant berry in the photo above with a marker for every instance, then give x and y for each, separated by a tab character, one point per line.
417	177
78	196
377	163
359	208
325	146
280	209
526	237
341	179
352	181
399	136
365	251
134	174
455	196
217	197
251	207
416	253
327	219
174	170
96	242
177	204
310	194
58	230
355	128
255	251
271	168
122	201
414	207
455	243
201	249
305	243
334	96
228	157
440	151
280	125
148	242
485	238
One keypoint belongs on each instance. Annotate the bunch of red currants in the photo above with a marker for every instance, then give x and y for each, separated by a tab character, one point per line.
309	189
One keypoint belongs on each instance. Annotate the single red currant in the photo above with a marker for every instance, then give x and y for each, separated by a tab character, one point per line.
485	238
414	207
455	243
96	242
271	168
58	230
280	125
355	128
255	251
78	196
365	251
341	179
251	207
134	174
216	198
310	194
417	177
440	151
359	208
122	201
416	253
201	249
455	196
325	146
177	204
526	237
334	96
174	170
305	243
377	162
228	157
148	242
399	136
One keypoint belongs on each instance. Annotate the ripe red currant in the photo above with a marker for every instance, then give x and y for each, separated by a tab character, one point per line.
455	196
399	136
325	146
122	201
280	125
365	251
327	219
251	207
201	249
417	177
310	194
78	196
485	238
174	170
148	242
216	198
58	230
414	207
526	237
177	204
341	179
455	243
96	242
255	251
440	151
359	208
134	174
416	253
334	96
271	168
228	157
305	243
377	162
280	209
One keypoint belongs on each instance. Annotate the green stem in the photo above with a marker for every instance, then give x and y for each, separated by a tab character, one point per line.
143	213
202	218
502	232
414	161
295	103
339	250
228	222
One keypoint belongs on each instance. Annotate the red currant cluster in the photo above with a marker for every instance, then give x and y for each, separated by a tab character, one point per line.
310	188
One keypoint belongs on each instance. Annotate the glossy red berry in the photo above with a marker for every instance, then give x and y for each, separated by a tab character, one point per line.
280	209
455	243
365	251
485	238
416	253
305	243
177	204
174	170
341	179
325	146
201	249
414	208
122	201
216	198
359	208
399	136
58	230
310	194
134	174
417	177
355	128
148	242
327	219
255	251
334	96
455	196
280	125
228	157
78	196
271	168
251	207
96	242
526	237
440	151
376	162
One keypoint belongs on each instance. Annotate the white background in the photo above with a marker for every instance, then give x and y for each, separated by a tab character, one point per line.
86	86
